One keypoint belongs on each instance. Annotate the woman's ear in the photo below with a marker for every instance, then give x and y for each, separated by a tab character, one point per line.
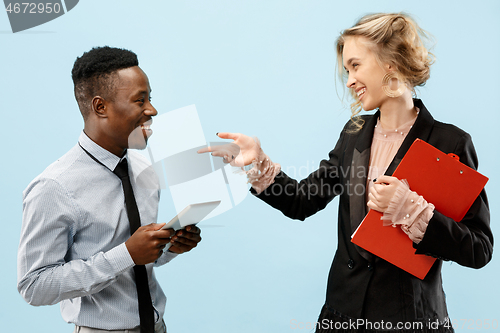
391	67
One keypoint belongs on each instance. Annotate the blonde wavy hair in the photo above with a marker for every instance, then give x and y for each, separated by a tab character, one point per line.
395	39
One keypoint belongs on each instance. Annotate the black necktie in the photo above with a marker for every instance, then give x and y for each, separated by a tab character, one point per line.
146	311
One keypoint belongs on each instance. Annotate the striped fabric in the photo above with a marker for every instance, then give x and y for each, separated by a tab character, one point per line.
72	248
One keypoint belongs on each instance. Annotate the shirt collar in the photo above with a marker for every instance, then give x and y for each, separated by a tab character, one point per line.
107	158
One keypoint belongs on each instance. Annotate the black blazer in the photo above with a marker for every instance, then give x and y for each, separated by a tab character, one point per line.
361	285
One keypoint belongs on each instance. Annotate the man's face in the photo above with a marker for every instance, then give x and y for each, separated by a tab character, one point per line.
129	113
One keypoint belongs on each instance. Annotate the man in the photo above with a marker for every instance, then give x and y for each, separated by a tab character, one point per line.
76	245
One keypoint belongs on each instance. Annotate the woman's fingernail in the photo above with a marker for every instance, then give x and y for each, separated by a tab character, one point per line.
217	133
375	180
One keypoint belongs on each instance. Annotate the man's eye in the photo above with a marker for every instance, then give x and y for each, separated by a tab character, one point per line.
150	98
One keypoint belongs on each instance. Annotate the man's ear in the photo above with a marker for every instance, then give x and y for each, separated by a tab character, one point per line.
99	107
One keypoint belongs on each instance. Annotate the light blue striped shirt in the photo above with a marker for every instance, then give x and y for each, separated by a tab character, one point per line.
72	247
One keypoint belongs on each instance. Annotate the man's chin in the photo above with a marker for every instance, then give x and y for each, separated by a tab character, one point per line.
138	140
138	146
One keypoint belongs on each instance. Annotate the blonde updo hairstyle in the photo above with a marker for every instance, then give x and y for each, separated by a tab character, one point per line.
395	39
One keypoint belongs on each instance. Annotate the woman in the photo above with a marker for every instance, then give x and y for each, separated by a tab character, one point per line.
381	59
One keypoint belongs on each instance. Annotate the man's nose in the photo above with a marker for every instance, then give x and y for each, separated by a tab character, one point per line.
151	110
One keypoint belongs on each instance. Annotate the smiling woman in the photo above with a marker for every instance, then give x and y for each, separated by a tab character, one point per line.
381	59
389	46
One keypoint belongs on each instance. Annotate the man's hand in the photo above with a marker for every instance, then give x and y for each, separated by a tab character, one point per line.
147	243
185	239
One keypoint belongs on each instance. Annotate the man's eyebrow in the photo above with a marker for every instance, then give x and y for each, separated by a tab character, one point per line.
142	92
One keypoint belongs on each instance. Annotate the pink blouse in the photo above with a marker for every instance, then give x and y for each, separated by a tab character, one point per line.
406	208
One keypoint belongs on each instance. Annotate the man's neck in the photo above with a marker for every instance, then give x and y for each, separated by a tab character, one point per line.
103	141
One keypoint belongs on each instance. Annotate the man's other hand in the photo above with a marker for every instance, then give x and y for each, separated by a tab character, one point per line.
147	243
185	239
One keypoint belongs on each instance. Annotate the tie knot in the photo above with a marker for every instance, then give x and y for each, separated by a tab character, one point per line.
121	169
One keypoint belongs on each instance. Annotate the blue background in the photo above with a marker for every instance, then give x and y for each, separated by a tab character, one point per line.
264	68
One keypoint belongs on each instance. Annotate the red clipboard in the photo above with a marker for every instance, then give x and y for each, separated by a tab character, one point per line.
443	181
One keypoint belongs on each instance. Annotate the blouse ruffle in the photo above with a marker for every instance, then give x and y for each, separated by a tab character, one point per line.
410	211
263	172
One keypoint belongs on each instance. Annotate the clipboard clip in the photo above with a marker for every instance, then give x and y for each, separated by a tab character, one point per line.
454	156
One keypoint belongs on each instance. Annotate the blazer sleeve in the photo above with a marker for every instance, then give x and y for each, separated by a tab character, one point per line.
469	242
299	200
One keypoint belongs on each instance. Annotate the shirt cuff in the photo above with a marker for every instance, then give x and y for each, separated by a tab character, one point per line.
165	258
262	175
120	259
410	211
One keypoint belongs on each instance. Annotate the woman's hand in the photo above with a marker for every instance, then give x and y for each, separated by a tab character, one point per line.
382	193
242	151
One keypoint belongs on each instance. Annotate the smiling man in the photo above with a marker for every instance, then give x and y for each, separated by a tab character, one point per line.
89	238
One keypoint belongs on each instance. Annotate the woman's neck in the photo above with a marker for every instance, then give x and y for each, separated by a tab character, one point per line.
397	111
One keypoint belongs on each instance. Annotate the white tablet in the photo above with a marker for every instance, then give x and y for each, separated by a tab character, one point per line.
192	214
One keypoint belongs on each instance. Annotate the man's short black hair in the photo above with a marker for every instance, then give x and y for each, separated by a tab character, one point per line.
94	74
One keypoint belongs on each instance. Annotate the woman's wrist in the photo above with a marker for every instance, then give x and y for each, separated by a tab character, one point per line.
262	173
409	210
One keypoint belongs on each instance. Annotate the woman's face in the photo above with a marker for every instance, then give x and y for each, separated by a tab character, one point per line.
365	73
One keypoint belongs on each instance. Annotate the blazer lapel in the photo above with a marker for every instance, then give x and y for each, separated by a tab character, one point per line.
358	176
420	130
357	186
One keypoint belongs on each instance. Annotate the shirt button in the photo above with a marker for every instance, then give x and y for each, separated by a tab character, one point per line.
350	264
370	267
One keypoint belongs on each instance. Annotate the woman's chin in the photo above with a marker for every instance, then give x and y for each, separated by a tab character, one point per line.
367	106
